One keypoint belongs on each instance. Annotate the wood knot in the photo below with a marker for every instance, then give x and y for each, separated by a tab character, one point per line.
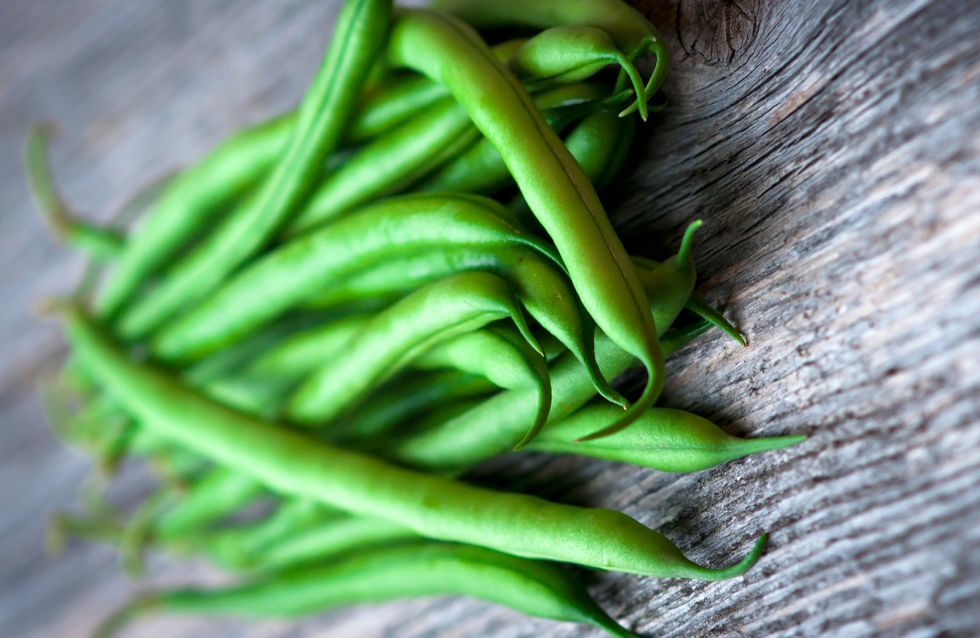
711	32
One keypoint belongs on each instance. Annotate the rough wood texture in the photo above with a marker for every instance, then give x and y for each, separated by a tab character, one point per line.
832	147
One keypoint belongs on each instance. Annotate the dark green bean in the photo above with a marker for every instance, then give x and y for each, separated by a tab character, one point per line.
599	143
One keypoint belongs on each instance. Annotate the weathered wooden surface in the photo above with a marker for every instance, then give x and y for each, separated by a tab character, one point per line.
833	149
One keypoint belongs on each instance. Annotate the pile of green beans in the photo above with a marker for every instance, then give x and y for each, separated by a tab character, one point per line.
317	329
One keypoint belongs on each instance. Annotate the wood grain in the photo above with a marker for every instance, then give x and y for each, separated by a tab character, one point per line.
833	149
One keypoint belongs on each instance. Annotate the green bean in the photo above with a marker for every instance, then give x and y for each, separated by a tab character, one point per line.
502	357
497	353
334	539
220	493
663	439
406	398
102	244
631	32
299	533
615	158
297	355
358	38
242	546
394	337
393	103
541	288
674	280
386	573
302	267
481	170
559	194
389	164
571	53
290	463
262	387
397	99
677	337
697	305
599	143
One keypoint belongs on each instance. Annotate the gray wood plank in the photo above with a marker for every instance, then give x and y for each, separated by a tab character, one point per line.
833	150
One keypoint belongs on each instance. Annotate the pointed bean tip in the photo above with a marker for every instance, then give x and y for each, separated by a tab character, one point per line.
754	554
687	242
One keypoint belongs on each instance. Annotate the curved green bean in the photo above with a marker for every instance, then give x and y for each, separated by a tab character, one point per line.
290	463
299	269
570	53
540	285
101	243
556	189
394	337
502	357
631	32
